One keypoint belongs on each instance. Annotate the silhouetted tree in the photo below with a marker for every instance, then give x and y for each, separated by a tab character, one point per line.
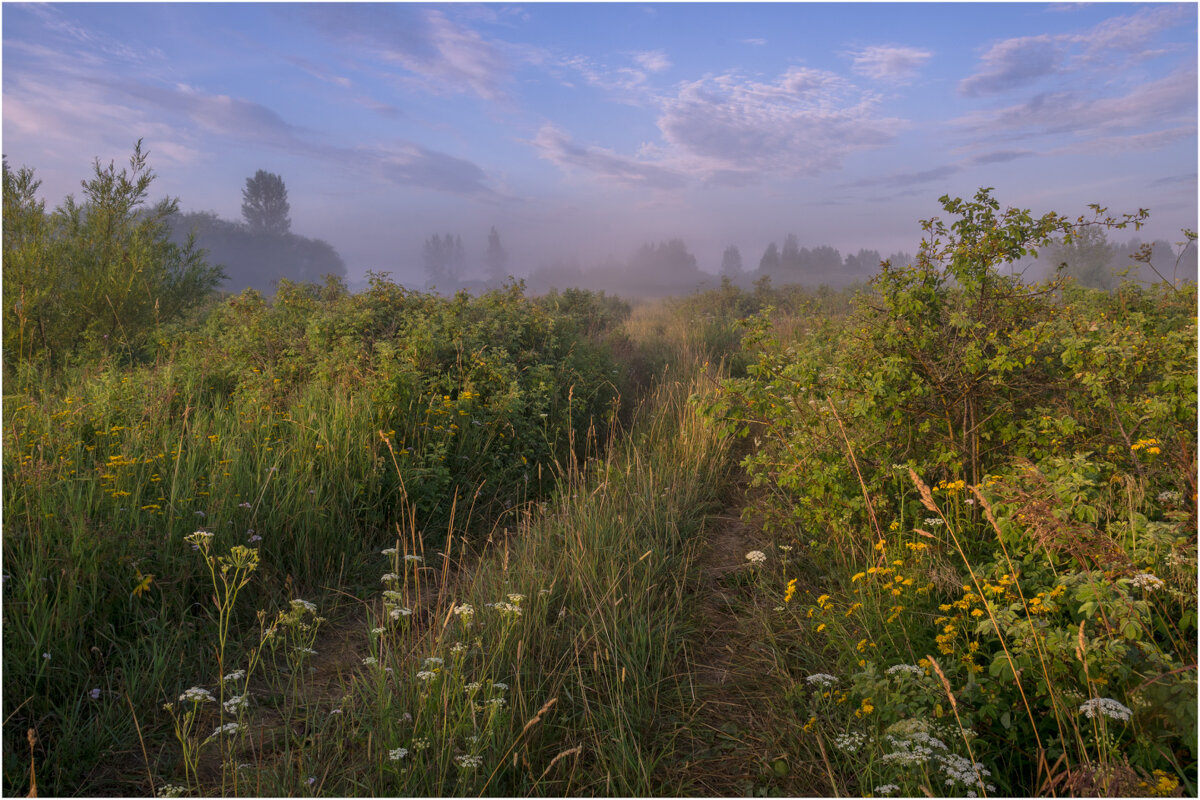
790	260
731	261
444	259
769	263
265	205
496	258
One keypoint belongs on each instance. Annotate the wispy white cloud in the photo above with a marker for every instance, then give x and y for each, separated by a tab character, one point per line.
1169	102
556	146
652	60
1013	63
440	55
890	63
806	122
1115	42
753	42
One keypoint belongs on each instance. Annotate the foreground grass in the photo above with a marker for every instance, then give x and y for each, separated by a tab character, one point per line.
546	664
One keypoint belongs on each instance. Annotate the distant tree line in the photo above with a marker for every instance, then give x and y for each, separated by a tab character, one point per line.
261	249
446	263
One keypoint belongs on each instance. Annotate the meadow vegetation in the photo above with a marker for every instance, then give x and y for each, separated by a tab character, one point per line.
391	543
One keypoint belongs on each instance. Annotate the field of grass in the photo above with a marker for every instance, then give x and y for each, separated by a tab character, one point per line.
394	544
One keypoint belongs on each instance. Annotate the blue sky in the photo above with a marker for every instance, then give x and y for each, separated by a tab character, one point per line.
583	130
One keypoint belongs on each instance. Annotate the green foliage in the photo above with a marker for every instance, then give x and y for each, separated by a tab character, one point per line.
93	277
265	205
1056	425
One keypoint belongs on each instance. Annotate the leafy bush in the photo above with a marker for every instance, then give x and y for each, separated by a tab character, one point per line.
1000	478
99	276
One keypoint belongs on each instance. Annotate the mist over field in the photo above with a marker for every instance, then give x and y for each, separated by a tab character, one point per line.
642	149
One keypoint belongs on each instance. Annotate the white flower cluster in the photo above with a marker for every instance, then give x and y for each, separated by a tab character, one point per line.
411	557
1146	581
434	661
398	753
962	770
756	557
397	612
198	539
473	686
916	748
496	702
886	789
1168	497
507	609
933	522
500	687
304	605
464	610
821	679
228	727
907	669
171	790
458	647
469	762
388	551
1106	706
197	695
389	578
850	742
236	675
516	598
235	704
426	675
370	661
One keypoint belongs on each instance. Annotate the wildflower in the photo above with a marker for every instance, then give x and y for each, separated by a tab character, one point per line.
434	661
197	695
370	661
393	595
849	742
95	694
473	686
388	551
398	753
886	789
822	679
907	669
171	790
244	504
961	770
304	651
496	702
933	522
426	675
497	685
790	591
198	539
787	548
516	598
469	762
235	704
1146	581
1168	497
458	648
389	577
378	631
420	744
411	557
756	557
1106	706
253	537
228	727
508	609
856	576
464	610
397	612
304	605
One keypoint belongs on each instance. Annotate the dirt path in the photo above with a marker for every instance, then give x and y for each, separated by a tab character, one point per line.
727	748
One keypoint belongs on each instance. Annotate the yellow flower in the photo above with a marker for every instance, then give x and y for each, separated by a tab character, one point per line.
821	627
857	575
791	590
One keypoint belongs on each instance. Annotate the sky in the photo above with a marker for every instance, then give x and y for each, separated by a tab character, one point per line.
581	131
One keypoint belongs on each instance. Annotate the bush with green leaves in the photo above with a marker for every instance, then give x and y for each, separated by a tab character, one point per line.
94	277
999	476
